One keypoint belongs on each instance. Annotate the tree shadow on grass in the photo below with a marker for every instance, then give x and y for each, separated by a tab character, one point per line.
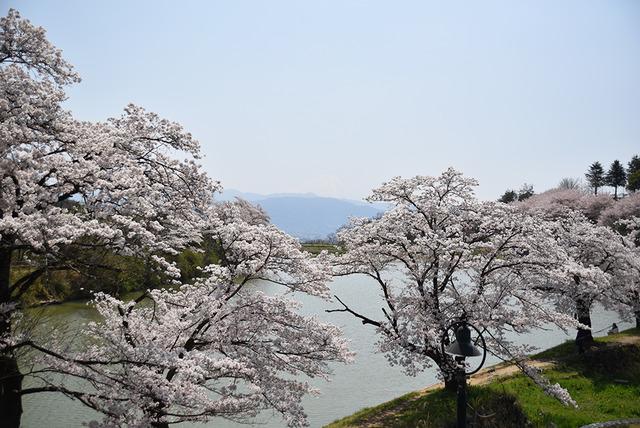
605	364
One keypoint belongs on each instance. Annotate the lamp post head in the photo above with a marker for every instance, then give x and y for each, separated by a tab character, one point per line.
462	346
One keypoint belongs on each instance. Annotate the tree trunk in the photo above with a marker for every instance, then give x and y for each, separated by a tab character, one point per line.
583	315
10	376
10	386
637	314
449	370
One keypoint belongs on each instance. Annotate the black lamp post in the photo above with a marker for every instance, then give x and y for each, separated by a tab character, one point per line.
461	348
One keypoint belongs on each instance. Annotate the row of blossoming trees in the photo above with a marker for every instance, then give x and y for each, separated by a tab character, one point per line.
506	268
219	346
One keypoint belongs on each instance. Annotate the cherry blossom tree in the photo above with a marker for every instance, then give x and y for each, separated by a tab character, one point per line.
66	184
624	217
556	202
590	246
30	115
625	295
440	255
223	346
624	209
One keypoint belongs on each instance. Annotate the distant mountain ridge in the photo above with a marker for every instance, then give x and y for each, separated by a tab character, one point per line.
305	215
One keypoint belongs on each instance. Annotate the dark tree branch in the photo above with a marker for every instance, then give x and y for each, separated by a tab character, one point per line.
364	319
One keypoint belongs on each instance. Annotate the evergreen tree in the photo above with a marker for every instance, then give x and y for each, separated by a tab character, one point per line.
616	177
508	196
525	192
633	174
595	176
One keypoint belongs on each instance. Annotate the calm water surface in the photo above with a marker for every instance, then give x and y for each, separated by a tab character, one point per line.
366	382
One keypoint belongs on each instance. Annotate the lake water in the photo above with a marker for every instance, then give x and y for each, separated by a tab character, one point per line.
366	382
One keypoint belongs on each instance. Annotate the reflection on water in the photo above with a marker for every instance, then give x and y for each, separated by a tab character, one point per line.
366	382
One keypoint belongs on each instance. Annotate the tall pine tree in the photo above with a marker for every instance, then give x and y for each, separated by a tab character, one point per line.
633	174
525	192
616	177
595	176
508	196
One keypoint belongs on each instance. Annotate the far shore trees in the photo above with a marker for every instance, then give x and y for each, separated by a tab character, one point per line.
457	258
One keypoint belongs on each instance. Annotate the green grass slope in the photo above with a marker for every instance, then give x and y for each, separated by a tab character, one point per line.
605	382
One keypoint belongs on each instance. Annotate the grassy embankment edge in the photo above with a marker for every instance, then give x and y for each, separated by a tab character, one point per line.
605	382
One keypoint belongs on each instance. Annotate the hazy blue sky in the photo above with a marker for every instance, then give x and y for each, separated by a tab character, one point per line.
335	97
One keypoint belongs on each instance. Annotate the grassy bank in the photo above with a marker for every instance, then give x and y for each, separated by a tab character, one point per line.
605	382
316	248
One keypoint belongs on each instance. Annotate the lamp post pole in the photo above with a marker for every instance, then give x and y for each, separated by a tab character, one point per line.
462	394
461	348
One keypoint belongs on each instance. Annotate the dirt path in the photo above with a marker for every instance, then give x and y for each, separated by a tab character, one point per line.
628	340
